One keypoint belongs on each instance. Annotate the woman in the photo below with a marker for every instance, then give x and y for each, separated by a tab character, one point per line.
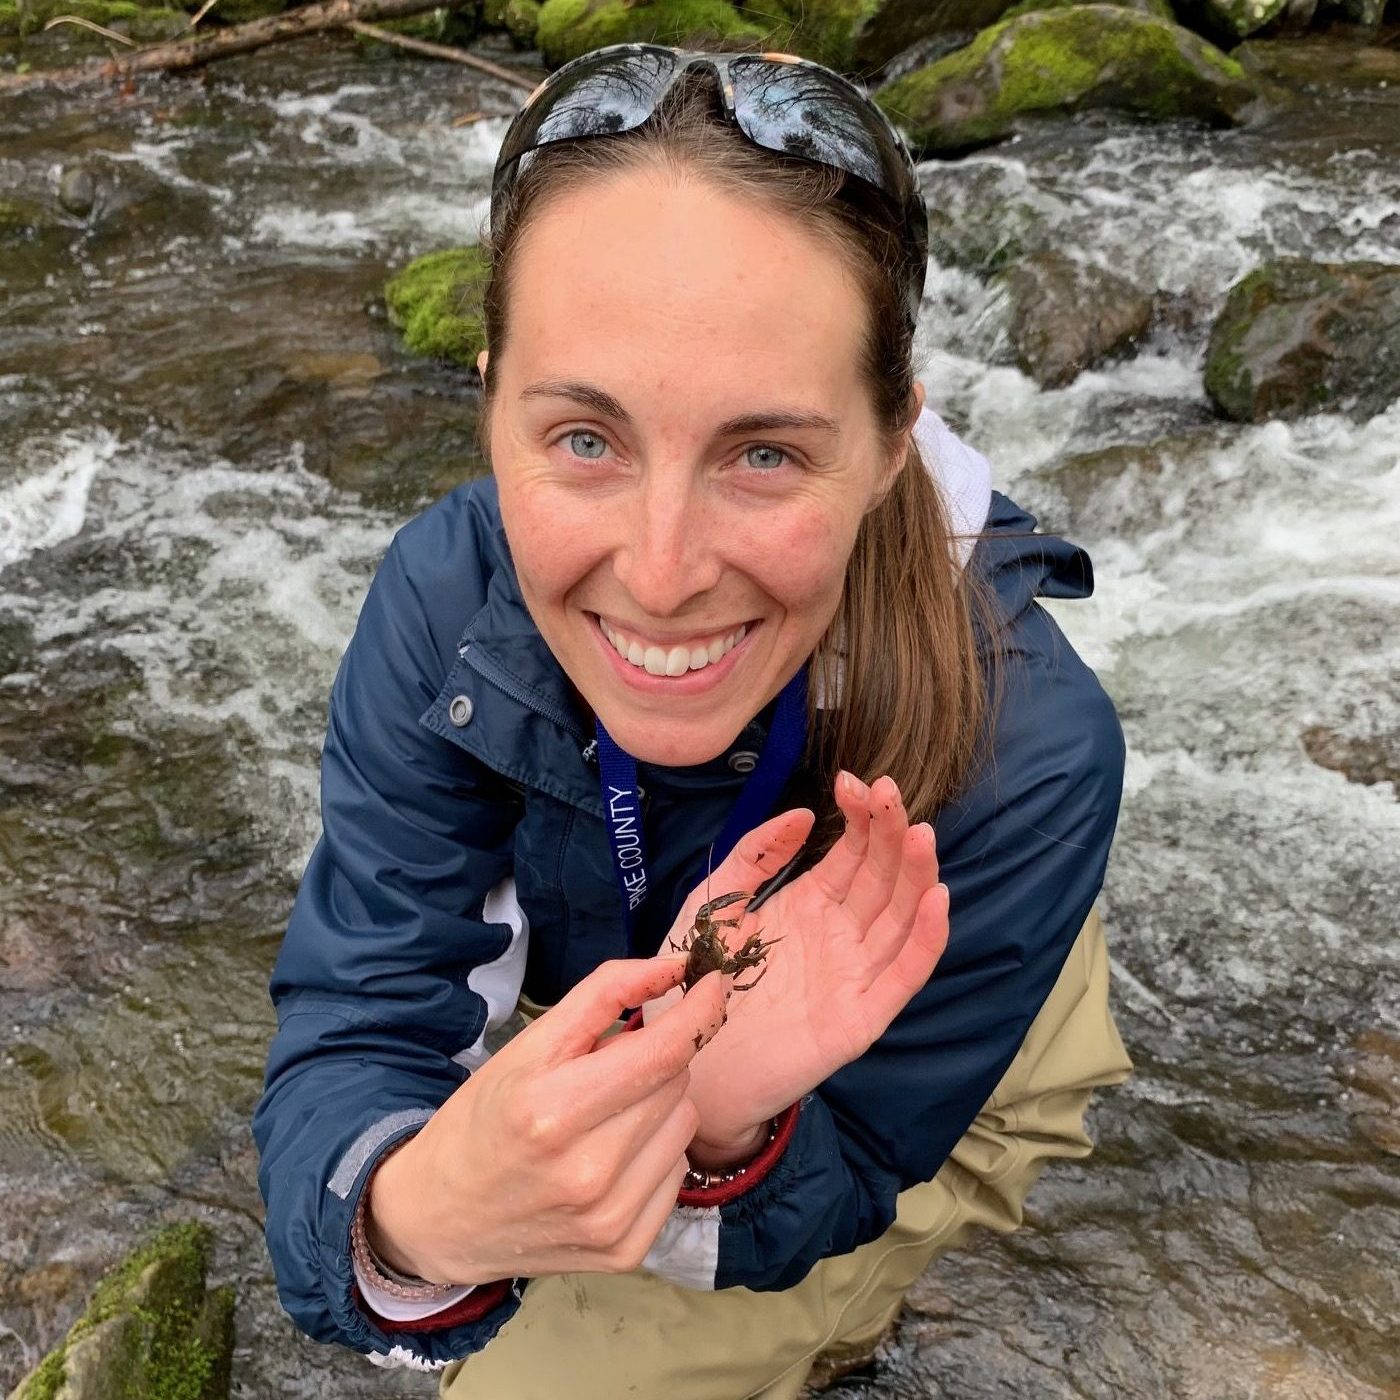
726	562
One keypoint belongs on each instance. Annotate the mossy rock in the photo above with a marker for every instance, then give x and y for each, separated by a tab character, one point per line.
151	1332
447	24
436	302
568	28
143	23
1297	337
1065	60
1161	8
823	30
896	25
522	20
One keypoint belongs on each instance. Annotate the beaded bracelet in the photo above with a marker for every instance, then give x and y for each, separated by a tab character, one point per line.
697	1179
395	1284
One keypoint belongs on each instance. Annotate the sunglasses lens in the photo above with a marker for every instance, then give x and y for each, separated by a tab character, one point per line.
607	91
805	111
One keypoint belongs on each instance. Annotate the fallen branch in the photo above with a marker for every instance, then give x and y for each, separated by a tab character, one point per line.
446	51
195	50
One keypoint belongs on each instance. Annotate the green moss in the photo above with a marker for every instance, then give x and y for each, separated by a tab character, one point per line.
1096	55
141	22
568	28
436	302
823	30
445	25
176	1345
1160	8
522	19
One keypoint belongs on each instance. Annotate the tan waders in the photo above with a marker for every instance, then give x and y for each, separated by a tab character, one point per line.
617	1336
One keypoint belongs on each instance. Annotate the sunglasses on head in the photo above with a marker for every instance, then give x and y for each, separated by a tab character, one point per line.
779	101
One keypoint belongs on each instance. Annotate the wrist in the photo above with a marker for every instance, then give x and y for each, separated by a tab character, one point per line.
390	1216
732	1151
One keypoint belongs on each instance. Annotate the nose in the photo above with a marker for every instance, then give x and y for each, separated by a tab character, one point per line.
670	552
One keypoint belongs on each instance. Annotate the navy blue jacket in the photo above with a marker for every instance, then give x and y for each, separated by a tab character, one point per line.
464	847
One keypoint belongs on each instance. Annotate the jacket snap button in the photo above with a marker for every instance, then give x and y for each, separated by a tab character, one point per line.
743	760
460	710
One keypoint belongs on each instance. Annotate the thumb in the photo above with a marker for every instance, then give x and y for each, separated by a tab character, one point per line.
758	856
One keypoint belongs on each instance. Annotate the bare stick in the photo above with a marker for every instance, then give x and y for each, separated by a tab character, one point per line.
195	50
88	24
403	41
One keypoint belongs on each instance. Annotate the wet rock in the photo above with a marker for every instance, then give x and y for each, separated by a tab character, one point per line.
1126	489
1065	60
26	220
436	302
1321	62
1231	20
1067	316
896	25
568	28
1298	337
1367	760
151	1329
1373	1074
78	190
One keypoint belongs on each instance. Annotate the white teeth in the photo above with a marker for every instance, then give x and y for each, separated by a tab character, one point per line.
670	661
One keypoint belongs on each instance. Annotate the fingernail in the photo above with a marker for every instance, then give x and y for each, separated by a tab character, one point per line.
854	785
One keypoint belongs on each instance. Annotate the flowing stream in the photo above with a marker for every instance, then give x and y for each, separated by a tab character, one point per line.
208	435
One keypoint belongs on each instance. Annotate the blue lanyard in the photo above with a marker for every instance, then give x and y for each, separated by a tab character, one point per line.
622	805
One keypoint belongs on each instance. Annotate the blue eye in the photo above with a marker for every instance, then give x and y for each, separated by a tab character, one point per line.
764	447
592	437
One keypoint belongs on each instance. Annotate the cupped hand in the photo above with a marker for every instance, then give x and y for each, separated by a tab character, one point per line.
563	1152
853	939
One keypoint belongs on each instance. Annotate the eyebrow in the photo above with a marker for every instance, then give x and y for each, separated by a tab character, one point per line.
603	403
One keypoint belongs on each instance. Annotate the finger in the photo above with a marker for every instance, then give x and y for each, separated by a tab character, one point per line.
913	965
874	882
606	1152
653	1215
631	1065
918	872
756	857
837	869
572	1026
649	1162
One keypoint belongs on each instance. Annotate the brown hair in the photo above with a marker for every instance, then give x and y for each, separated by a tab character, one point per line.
901	653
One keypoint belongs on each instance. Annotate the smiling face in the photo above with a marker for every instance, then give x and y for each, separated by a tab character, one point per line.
684	450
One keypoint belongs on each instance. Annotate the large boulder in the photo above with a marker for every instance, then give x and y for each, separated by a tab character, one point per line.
1297	337
895	25
568	28
151	1330
1065	60
1068	316
1321	62
436	302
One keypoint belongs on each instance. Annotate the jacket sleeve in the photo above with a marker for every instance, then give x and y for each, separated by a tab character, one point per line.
372	983
1023	854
